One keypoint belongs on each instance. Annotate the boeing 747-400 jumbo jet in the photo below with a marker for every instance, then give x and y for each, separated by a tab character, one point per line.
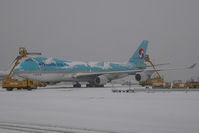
97	74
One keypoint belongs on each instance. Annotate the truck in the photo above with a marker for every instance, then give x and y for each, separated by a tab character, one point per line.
193	84
9	83
24	84
157	82
180	84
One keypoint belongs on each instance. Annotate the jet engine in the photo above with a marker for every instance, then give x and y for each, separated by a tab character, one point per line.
101	80
141	76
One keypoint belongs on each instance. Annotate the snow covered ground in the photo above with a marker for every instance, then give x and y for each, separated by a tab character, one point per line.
98	110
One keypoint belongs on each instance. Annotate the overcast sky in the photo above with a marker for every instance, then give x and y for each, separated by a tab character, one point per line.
102	30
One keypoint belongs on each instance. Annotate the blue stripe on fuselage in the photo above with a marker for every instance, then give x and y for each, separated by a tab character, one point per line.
53	64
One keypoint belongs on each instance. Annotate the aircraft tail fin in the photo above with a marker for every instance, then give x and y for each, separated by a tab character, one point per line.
138	56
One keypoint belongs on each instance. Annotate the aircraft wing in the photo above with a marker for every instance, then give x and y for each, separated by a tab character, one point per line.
128	72
189	67
143	67
85	74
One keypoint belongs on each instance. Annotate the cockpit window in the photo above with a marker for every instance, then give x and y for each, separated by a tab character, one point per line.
29	60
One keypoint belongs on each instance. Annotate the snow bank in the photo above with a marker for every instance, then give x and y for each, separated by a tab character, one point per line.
100	109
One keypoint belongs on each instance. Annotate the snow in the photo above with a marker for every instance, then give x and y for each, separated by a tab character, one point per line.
103	65
49	60
98	109
8	131
93	64
106	65
74	63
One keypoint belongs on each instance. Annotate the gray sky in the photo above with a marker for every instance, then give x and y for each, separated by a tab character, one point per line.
102	30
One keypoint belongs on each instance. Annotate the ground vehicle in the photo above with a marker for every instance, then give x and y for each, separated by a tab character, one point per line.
157	82
12	83
180	84
193	84
9	83
150	81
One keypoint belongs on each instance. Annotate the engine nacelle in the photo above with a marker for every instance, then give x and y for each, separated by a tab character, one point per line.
101	80
141	76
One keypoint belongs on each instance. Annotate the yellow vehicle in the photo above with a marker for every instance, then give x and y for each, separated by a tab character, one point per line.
9	83
25	84
151	81
147	82
157	82
180	84
193	84
167	85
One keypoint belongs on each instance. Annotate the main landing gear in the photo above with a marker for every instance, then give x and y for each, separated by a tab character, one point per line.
77	85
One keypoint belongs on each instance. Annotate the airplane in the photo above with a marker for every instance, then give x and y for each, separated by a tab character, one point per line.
96	74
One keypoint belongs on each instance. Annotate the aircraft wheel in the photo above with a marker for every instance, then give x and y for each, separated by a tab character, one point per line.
99	85
77	85
89	85
29	89
9	89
